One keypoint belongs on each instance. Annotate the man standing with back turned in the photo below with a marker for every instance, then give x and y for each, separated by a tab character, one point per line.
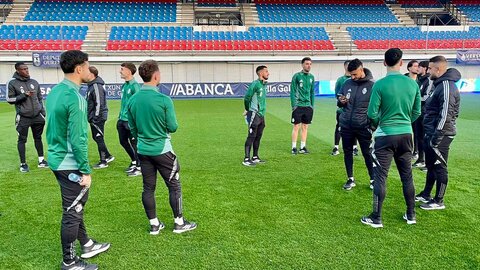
68	153
151	117
302	98
255	106
394	105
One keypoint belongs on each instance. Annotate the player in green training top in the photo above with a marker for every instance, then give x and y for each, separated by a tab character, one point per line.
255	104
151	117
128	142
394	105
302	98
68	154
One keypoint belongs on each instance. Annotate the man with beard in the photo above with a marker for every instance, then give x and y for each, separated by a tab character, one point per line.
255	108
441	111
354	99
302	99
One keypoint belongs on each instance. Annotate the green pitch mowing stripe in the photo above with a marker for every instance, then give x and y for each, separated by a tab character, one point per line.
290	213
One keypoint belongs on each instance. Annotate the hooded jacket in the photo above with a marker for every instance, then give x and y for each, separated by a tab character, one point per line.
358	94
97	110
26	106
442	106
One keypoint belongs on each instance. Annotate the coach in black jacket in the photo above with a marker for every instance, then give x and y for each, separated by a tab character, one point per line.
354	124
25	93
97	116
441	112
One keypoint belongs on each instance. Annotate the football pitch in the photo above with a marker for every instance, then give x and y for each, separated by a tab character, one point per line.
290	213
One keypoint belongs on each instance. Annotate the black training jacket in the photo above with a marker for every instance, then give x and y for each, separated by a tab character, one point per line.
97	101
26	106
443	104
358	94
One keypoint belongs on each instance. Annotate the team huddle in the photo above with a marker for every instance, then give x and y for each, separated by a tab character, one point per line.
395	117
399	117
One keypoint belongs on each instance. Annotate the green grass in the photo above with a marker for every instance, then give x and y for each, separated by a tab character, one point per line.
290	213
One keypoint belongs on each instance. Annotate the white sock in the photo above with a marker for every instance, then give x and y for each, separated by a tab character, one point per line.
302	145
134	162
336	146
154	222
351	178
179	220
89	243
40	159
294	145
354	147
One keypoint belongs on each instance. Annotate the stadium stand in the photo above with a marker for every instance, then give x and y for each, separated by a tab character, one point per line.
184	38
470	7
380	38
420	4
217	3
103	11
41	37
311	11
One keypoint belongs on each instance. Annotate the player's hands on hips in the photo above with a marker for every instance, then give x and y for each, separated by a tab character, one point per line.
86	180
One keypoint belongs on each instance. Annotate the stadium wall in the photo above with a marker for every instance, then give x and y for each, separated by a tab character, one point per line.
223	72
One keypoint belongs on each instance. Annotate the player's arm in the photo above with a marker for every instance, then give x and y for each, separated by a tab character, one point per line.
341	99
374	106
248	96
136	87
293	91
312	93
132	123
12	97
338	87
417	110
77	126
170	116
40	98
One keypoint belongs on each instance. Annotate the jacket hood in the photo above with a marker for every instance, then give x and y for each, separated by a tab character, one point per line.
368	77
452	74
18	77
97	80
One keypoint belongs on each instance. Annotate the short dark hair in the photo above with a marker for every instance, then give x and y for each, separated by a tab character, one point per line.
93	70
393	56
346	63
410	63
146	69
260	68
306	59
438	59
71	59
354	64
423	64
130	66
18	64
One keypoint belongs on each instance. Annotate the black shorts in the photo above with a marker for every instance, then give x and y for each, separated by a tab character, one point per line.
302	115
